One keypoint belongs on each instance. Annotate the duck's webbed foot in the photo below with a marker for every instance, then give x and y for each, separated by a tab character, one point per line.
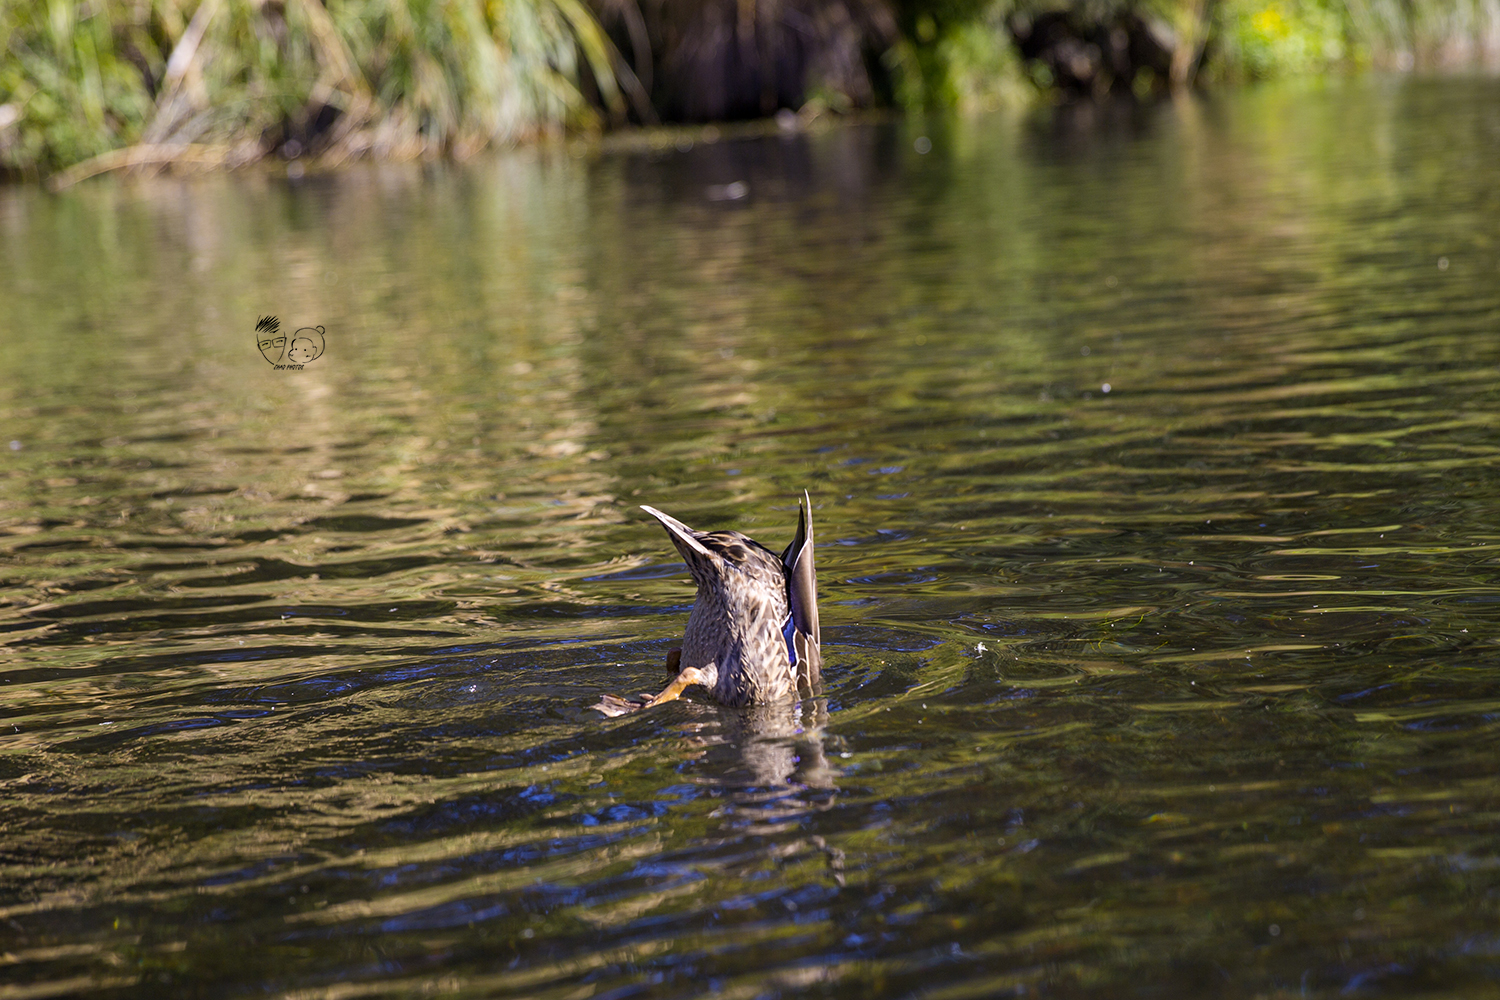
613	705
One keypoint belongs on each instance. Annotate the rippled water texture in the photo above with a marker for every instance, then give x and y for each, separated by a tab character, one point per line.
1154	460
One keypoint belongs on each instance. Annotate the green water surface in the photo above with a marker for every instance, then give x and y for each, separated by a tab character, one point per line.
1153	452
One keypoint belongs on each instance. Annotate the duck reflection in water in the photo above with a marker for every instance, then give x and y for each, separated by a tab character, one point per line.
771	773
762	751
752	637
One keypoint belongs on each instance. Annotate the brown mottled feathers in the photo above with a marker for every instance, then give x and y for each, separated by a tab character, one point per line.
752	636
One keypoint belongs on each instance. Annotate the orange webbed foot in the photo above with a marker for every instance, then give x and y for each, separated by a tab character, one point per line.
613	705
686	679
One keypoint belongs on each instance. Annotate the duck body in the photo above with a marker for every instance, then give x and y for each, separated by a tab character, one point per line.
734	633
752	637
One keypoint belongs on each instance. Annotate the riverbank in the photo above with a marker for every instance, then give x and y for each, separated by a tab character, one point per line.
88	88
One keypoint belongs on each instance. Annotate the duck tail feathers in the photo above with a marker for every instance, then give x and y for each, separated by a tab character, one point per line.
802	574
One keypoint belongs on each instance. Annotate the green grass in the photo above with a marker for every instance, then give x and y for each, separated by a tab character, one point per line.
230	80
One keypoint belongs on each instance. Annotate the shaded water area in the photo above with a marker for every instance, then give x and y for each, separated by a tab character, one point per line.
1153	456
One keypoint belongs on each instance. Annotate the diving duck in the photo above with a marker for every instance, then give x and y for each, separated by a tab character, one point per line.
752	636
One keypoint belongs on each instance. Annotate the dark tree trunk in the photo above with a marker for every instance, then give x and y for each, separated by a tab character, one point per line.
721	60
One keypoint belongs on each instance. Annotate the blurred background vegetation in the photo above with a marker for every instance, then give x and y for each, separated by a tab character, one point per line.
94	85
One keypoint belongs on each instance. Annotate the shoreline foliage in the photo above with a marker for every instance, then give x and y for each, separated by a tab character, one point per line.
88	86
230	81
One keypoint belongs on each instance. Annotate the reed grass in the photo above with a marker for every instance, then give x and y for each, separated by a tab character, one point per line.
87	85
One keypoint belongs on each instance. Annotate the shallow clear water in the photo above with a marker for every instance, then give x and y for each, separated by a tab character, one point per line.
1153	454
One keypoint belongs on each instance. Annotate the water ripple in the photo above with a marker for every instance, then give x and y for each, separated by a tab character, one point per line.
1183	684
